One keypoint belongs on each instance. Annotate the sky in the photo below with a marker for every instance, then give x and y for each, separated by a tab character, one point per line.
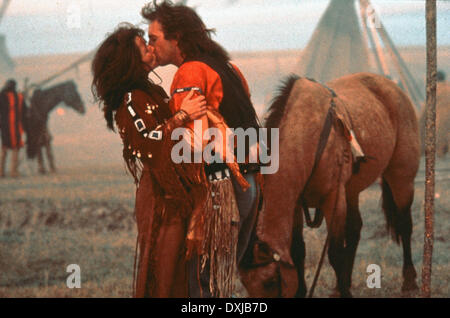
67	26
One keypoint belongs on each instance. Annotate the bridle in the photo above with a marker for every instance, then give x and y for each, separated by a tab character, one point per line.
274	257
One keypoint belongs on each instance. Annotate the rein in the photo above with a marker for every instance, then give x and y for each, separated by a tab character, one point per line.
275	258
323	140
301	202
327	241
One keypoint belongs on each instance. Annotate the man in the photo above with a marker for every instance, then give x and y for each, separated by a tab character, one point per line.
12	119
179	37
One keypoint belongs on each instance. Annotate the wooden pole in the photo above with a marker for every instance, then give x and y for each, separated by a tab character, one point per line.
74	65
406	78
3	8
379	50
430	146
368	36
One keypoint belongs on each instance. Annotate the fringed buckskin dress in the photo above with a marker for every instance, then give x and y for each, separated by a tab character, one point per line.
165	196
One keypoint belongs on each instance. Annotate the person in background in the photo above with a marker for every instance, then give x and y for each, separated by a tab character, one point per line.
12	120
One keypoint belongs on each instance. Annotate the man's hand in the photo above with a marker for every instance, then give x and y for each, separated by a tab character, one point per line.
195	107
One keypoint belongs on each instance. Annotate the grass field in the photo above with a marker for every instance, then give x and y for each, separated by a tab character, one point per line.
85	216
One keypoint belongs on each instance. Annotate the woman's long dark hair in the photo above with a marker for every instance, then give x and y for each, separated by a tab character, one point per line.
117	68
183	23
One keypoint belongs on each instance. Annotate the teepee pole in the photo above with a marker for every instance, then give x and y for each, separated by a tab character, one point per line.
362	13
3	9
430	146
375	40
73	65
367	36
405	76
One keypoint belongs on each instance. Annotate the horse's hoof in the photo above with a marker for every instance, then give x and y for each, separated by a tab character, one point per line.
409	286
346	294
409	279
301	293
338	294
335	293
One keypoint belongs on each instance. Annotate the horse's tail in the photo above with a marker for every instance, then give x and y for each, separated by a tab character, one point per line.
390	210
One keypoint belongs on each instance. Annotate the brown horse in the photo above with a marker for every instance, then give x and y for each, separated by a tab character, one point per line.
386	127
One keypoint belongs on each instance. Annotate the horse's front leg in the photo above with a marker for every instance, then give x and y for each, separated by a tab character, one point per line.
335	210
40	160
298	253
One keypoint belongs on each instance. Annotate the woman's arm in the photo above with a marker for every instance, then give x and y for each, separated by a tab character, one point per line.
146	128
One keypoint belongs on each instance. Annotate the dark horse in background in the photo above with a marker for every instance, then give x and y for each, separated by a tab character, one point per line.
386	127
42	103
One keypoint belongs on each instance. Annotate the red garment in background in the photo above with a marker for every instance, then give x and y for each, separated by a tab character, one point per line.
12	119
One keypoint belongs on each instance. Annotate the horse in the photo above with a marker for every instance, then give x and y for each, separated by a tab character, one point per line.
385	125
42	103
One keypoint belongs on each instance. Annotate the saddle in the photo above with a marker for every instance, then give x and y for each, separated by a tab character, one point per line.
343	116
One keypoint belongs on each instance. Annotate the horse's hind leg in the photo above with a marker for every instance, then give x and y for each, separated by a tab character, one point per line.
51	159
353	227
47	143
398	194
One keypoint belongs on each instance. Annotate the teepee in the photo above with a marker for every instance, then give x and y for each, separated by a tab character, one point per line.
336	47
346	42
6	63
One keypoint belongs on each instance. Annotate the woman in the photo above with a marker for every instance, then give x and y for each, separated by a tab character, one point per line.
167	193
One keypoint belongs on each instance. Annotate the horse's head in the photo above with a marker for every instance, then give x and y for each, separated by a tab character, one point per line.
72	98
265	274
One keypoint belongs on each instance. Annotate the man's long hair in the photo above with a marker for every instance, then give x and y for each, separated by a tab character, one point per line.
117	68
183	24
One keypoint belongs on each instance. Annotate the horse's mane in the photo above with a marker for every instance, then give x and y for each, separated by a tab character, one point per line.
279	102
40	93
59	86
